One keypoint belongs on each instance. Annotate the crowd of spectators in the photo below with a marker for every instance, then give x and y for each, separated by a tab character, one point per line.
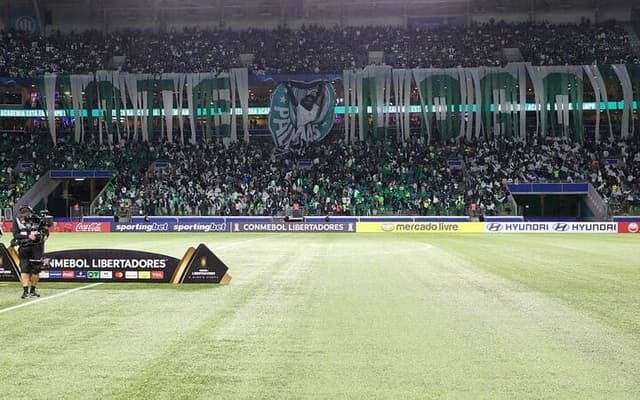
332	178
312	49
25	158
367	178
612	167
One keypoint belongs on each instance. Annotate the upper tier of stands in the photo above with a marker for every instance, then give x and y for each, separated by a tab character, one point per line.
313	49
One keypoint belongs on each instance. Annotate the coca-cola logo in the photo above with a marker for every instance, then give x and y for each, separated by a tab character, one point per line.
89	227
6	226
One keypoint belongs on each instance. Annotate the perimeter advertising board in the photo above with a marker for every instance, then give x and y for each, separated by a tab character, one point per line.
155	227
83	227
628	227
297	227
420	227
552	227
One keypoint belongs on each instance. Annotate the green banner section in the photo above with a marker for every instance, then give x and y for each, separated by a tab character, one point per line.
256	111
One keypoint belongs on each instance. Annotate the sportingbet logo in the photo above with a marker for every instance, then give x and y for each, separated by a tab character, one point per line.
153	227
212	227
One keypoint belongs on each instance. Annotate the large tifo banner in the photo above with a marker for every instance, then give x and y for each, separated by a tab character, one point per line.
492	102
209	96
198	265
301	113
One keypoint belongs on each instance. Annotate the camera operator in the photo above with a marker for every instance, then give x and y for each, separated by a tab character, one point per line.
29	234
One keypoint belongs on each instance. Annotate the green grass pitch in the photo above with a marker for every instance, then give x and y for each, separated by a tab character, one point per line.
319	316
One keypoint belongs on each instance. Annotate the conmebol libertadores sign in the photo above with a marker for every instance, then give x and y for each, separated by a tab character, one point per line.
198	265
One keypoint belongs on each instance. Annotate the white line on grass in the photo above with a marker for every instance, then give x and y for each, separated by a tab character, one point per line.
239	242
49	297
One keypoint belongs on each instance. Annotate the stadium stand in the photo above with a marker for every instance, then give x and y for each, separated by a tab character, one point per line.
313	49
332	177
359	179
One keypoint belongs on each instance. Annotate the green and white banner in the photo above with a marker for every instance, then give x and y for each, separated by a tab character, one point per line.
634	75
483	102
489	102
627	96
597	82
301	113
503	100
446	98
559	92
110	93
402	96
369	91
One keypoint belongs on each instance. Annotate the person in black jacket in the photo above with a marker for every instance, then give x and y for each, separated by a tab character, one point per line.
29	236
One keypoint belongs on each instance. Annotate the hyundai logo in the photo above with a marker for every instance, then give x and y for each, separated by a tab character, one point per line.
494	227
561	227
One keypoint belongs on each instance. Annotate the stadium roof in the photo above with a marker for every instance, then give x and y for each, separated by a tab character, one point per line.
308	7
164	12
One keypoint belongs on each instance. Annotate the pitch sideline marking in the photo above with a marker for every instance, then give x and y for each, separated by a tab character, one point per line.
49	297
233	244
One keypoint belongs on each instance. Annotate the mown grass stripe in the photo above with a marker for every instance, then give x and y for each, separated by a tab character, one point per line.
31	302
